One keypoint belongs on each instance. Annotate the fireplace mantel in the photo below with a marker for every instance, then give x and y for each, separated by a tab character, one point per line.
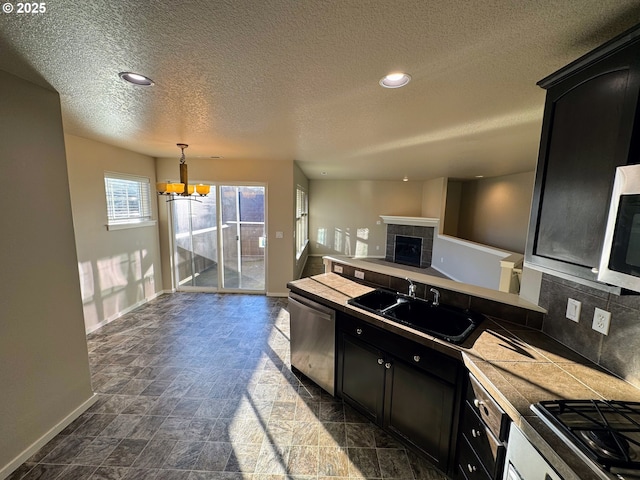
415	221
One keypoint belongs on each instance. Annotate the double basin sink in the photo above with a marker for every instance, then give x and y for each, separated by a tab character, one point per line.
442	321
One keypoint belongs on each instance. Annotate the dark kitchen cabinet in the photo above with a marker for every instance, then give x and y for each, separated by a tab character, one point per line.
484	428
590	126
419	408
362	377
406	388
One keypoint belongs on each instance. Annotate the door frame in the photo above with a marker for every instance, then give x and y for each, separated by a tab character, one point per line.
219	289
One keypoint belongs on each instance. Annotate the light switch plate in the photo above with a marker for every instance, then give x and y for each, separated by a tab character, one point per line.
359	274
337	268
573	309
601	321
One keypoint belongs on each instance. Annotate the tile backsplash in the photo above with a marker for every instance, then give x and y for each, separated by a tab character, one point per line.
619	351
510	313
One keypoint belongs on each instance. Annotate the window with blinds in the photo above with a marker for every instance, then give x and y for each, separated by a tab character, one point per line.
302	220
128	198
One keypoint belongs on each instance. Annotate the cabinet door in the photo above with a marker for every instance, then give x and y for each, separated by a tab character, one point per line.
420	408
361	377
588	130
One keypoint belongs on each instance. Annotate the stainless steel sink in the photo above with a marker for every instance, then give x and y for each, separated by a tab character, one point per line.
447	322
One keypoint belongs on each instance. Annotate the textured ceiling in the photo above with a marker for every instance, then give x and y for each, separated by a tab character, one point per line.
298	79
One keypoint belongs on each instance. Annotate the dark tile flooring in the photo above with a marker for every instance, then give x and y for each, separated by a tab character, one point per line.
197	386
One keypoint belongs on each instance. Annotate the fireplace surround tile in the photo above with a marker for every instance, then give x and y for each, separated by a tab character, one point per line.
425	233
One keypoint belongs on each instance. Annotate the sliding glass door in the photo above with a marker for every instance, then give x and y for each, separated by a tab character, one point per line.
243	237
219	241
195	241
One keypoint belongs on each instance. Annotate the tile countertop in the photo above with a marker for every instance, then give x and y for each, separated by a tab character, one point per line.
517	365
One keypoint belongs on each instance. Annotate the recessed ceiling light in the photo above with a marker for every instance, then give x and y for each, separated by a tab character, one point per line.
395	80
136	79
217	156
479	176
405	179
323	173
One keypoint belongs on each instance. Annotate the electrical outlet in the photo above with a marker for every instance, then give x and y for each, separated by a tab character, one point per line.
359	274
337	268
573	309
601	321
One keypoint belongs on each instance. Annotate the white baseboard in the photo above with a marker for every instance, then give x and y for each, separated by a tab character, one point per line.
277	294
125	311
42	441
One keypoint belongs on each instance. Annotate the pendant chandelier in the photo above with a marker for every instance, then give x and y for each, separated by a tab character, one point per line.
181	189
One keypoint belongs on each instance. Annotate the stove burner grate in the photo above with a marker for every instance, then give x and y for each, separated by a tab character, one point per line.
606	443
608	432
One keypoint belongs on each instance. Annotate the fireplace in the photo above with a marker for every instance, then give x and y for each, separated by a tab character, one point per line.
408	250
419	244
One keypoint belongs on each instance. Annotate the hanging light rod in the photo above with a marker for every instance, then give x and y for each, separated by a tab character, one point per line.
182	189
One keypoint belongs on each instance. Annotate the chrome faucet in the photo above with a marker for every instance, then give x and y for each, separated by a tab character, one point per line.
412	288
436	297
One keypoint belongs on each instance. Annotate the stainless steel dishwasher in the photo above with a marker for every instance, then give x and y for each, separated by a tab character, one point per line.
313	340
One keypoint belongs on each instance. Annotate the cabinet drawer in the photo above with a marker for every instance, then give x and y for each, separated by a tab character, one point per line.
487	409
424	358
489	449
469	466
361	330
410	352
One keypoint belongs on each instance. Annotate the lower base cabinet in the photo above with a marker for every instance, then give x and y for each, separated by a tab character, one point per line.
404	387
362	377
484	429
420	409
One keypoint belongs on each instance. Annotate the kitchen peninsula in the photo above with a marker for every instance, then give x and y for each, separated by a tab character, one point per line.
510	357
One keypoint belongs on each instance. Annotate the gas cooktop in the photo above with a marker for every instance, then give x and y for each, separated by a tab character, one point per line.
606	432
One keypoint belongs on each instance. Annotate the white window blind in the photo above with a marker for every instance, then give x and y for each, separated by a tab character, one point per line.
302	220
128	198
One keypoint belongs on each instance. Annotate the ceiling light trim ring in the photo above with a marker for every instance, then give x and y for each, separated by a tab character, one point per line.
395	80
136	79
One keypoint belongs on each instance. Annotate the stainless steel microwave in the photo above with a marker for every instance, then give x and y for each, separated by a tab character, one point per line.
620	260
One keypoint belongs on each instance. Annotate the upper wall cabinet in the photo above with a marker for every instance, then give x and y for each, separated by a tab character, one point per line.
591	125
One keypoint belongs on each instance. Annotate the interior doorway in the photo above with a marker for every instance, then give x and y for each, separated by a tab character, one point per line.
219	241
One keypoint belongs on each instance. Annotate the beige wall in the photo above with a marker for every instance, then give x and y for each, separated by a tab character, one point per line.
344	214
299	179
452	209
276	175
119	269
495	211
44	368
434	196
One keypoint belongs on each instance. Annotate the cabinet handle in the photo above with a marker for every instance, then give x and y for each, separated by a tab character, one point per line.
475	433
471	468
380	361
477	403
359	331
387	365
416	358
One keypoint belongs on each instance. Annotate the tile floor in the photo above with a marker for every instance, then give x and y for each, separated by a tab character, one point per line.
198	386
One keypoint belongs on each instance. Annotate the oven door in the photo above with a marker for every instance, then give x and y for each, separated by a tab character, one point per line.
523	461
620	261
